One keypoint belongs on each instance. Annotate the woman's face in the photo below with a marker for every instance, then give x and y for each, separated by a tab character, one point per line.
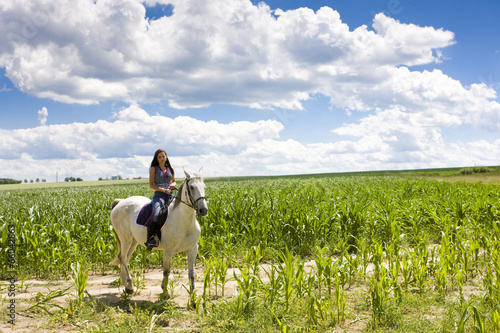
162	158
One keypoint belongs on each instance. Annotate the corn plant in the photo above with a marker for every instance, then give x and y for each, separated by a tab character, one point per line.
352	268
479	323
247	283
380	293
419	259
79	277
42	301
377	259
363	251
441	276
464	317
325	311
406	271
300	279
313	315
273	287
220	273
327	269
283	327
193	300
340	302
207	279
287	272
495	321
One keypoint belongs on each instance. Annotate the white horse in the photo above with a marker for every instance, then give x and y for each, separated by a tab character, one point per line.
180	233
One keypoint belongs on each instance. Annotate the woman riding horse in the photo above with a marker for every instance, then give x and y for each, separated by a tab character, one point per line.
162	180
180	233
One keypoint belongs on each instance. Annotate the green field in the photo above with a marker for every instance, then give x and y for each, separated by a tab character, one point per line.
391	252
30	186
492	175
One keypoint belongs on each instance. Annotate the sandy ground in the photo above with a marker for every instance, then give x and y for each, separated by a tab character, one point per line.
102	288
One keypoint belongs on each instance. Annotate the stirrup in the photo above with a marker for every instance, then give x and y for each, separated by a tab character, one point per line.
152	242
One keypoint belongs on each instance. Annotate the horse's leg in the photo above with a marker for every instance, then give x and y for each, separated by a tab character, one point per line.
167	261
191	257
131	249
127	248
129	288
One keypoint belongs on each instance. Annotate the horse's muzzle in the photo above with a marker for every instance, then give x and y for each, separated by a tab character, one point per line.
203	211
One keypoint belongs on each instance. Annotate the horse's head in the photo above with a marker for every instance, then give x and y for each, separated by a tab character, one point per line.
195	188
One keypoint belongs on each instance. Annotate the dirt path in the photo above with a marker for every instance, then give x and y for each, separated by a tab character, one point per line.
104	288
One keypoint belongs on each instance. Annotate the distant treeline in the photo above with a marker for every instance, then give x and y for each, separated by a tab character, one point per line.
14	181
73	179
476	169
9	181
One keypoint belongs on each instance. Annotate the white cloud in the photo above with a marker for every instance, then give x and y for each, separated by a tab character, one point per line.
132	135
125	146
409	44
134	132
410	111
207	52
42	115
232	52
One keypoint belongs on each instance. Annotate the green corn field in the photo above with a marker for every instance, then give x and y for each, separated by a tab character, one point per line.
361	253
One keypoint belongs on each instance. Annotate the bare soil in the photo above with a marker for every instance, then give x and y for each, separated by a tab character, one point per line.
104	288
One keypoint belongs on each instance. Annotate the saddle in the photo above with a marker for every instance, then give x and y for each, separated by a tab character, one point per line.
146	213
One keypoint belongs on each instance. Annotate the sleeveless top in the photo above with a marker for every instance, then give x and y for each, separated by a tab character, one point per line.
163	178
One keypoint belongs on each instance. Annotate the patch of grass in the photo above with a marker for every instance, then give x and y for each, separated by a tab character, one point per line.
97	316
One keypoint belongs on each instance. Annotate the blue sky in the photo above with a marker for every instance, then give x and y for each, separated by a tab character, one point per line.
247	87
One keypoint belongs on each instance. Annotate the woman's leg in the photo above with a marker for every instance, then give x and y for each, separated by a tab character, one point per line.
153	223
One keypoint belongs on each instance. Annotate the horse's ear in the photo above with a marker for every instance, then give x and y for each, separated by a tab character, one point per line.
186	173
200	172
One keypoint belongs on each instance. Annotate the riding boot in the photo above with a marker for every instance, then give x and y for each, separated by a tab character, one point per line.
152	239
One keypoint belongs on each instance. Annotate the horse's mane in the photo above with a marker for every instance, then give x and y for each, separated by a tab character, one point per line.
178	196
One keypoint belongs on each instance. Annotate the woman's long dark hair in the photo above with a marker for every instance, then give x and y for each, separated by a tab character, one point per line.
155	163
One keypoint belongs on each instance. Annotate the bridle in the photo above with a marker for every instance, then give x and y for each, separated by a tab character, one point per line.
193	202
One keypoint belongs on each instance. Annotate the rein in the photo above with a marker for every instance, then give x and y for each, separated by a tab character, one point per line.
190	196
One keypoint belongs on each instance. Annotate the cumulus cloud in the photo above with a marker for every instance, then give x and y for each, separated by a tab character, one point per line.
229	52
206	52
132	134
42	115
234	52
126	144
135	132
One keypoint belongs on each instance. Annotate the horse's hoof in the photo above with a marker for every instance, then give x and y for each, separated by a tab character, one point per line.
129	291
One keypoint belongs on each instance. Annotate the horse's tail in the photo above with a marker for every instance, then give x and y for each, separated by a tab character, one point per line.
117	260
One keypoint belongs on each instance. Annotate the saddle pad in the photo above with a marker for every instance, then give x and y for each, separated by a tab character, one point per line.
145	214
